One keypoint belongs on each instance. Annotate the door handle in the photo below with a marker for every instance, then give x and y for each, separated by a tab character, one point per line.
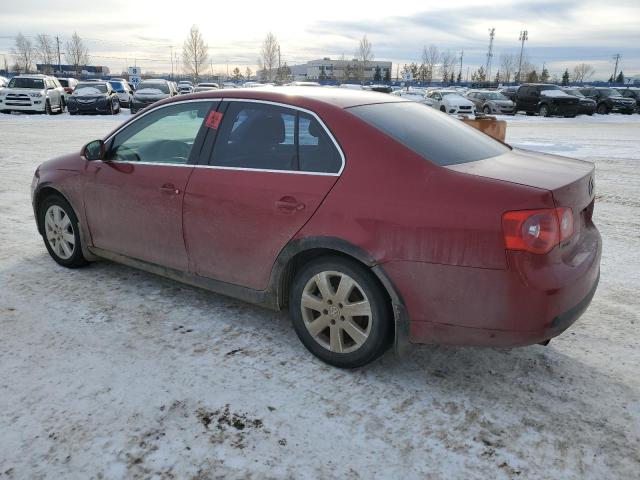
170	189
289	204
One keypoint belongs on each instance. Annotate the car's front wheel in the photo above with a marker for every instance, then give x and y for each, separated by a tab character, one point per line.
61	233
486	109
340	312
544	111
603	109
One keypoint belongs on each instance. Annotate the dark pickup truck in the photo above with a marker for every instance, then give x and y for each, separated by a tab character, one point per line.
545	100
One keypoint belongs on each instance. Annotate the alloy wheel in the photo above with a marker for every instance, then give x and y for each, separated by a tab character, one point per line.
59	232
336	312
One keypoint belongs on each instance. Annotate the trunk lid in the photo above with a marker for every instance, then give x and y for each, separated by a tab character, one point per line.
570	181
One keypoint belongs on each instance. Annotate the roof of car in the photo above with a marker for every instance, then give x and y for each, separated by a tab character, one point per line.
339	97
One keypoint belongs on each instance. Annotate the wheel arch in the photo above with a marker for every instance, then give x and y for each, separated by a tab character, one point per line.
301	251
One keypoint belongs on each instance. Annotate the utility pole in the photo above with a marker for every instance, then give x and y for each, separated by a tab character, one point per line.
59	61
492	33
279	75
171	52
460	72
616	57
524	36
211	63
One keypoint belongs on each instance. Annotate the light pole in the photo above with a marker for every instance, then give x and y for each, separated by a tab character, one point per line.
524	36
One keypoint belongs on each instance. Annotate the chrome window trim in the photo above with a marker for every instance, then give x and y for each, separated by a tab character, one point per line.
241	169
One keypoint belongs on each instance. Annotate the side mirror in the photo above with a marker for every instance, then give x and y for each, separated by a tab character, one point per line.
94	150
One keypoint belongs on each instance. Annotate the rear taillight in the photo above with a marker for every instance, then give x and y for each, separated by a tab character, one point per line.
537	231
68	90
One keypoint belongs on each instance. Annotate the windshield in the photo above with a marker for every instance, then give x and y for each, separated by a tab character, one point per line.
494	96
438	138
611	93
117	86
444	94
148	87
549	87
35	83
575	93
90	89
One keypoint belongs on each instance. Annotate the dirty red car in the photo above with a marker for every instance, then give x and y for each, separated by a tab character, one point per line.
375	221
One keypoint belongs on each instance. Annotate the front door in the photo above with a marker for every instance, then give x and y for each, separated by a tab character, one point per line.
270	169
133	199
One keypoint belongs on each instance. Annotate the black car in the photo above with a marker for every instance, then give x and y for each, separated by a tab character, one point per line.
631	92
545	100
151	91
93	97
586	105
609	100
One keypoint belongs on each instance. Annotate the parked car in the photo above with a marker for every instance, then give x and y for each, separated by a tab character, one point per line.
490	101
185	89
3	81
586	105
427	232
205	87
450	101
545	100
94	97
124	92
631	92
32	93
510	92
149	92
411	94
609	100
68	84
379	88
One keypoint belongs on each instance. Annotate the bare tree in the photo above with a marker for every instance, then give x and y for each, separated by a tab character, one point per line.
583	72
508	65
77	53
195	53
268	59
23	53
6	64
364	55
447	64
248	73
430	58
45	52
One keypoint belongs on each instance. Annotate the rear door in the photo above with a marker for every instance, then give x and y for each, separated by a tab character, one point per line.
133	199
270	168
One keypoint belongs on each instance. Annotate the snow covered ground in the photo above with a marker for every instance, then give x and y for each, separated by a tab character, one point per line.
107	372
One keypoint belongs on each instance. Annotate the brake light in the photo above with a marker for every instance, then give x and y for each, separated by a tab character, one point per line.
537	231
68	90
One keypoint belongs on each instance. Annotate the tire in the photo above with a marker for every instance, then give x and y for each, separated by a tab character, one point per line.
47	107
110	112
486	110
603	109
339	339
442	109
61	233
63	106
543	111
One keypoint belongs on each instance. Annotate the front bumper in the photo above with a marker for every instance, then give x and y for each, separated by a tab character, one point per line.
36	105
93	107
564	110
532	301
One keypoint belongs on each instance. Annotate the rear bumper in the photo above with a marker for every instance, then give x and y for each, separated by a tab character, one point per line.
532	301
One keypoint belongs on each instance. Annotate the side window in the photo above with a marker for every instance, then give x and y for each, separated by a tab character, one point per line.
164	136
255	135
317	152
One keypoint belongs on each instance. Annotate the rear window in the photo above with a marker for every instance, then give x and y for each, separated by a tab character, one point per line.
435	136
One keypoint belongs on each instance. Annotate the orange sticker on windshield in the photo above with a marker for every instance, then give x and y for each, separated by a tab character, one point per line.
213	120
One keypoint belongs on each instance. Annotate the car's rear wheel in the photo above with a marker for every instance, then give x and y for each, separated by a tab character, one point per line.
61	233
47	107
602	109
340	312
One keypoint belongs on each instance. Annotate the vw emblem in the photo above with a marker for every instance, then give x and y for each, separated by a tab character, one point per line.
591	186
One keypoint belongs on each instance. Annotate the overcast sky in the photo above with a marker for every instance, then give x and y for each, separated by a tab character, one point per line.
561	33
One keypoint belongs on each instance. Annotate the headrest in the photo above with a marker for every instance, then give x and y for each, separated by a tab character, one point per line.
268	129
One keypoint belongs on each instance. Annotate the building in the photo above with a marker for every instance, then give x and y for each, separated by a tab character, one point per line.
85	70
343	70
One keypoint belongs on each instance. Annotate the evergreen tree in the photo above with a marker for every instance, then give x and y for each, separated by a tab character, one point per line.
620	78
532	77
377	74
459	80
544	76
387	75
565	77
451	78
236	76
498	79
610	79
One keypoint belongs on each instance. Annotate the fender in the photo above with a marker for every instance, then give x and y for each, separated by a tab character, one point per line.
283	269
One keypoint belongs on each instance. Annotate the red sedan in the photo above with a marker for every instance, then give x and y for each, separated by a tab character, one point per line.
373	219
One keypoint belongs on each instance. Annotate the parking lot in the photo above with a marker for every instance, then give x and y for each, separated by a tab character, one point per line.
107	372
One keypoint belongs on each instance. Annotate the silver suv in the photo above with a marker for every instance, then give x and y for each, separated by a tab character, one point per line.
32	93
